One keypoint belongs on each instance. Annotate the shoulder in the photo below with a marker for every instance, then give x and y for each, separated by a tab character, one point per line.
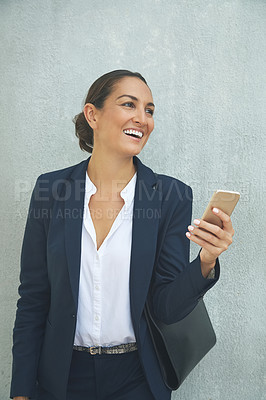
54	184
61	174
173	188
167	185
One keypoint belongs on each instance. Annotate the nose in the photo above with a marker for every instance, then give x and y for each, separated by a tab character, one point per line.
140	117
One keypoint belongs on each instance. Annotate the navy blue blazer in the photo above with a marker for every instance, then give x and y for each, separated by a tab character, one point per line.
50	264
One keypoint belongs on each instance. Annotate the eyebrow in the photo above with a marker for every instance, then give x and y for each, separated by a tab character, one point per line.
134	98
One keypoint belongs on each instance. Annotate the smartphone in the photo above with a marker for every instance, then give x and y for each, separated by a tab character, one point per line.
225	200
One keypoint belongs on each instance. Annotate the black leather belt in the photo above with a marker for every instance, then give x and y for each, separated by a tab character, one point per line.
121	348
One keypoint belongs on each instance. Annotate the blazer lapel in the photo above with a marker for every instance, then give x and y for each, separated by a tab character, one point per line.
74	208
146	213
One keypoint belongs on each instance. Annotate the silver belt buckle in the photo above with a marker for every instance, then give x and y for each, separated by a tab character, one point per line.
95	350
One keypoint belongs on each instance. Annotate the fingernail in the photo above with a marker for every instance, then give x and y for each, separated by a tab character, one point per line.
188	234
196	221
190	227
215	210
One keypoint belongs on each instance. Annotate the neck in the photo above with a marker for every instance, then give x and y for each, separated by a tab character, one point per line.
110	173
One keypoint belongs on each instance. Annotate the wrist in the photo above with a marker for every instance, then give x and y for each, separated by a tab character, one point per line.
20	398
206	266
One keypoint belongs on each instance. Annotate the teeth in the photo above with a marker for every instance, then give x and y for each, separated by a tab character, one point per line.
133	132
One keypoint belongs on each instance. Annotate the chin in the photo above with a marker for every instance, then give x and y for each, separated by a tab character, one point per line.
132	152
136	152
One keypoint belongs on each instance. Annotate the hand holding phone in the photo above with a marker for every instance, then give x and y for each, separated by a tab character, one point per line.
212	241
224	200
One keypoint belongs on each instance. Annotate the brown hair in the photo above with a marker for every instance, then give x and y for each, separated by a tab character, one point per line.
97	94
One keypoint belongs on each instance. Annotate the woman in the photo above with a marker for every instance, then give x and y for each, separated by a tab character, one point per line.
100	237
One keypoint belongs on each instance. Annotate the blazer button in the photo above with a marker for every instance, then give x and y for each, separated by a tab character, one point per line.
74	315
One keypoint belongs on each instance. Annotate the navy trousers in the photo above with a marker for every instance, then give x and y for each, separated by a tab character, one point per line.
104	377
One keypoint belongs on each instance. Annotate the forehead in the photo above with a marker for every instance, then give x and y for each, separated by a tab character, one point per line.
134	87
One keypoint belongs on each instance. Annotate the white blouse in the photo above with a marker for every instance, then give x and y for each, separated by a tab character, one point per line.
104	317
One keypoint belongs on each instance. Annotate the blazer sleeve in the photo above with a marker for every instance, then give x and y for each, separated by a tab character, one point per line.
33	304
177	283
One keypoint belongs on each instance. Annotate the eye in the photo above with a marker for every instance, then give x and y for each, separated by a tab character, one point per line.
132	105
150	111
129	103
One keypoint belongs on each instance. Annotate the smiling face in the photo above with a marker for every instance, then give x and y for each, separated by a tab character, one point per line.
127	111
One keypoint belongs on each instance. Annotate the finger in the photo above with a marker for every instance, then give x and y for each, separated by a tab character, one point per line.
223	243
215	251
209	231
226	220
207	226
205	235
223	239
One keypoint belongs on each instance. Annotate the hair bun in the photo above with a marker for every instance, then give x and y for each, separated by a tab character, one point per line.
83	132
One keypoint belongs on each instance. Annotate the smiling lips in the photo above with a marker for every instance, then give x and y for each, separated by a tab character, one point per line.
133	133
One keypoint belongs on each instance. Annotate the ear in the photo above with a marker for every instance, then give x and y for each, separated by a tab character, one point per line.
90	114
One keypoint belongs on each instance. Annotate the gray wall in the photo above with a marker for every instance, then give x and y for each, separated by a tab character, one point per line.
205	62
